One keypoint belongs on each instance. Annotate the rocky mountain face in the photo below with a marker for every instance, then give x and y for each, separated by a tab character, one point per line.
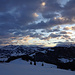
63	57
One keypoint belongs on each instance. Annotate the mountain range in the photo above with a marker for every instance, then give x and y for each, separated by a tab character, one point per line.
61	56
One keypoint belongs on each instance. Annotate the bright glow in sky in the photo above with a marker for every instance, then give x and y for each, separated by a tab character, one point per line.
43	3
36	15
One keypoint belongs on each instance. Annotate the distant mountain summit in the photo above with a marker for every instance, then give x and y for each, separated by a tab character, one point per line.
66	44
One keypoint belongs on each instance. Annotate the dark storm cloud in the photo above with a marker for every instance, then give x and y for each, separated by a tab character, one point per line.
69	9
58	42
63	35
37	35
67	37
52	15
31	33
52	6
52	35
65	32
6	5
49	24
41	25
57	29
15	14
20	12
1	41
67	14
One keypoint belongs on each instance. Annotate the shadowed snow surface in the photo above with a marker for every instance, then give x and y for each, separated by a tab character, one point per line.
20	67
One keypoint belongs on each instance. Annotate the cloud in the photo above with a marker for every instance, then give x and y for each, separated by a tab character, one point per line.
69	10
64	32
66	15
52	6
1	41
50	15
73	39
63	35
52	35
57	29
20	40
70	28
21	18
17	14
48	24
67	37
37	35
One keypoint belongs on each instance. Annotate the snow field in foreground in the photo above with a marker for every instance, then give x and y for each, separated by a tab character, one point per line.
20	67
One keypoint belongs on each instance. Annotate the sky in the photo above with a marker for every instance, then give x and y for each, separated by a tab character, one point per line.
37	22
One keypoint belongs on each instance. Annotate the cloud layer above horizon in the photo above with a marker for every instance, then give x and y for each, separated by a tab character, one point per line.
37	22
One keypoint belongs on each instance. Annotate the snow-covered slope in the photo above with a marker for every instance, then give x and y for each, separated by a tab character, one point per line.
20	67
15	47
16	50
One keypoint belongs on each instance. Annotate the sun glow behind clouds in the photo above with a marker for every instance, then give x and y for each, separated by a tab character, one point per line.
43	4
35	15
